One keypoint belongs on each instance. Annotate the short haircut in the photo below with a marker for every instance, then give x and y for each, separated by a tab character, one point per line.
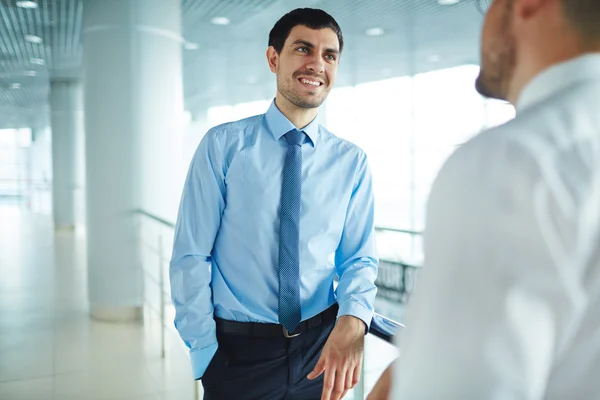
310	17
584	16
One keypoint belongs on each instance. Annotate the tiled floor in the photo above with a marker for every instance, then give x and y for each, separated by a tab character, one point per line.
50	349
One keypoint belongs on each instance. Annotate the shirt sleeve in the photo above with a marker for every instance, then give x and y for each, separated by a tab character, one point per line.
202	204
355	258
484	319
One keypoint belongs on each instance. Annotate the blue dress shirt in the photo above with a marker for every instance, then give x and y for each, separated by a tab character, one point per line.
225	254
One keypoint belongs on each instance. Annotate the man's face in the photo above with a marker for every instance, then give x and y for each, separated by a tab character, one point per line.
307	65
498	51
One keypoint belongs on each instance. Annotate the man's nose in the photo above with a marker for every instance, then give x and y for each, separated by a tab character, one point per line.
316	64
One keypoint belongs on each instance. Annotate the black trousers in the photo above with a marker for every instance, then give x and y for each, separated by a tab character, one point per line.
249	368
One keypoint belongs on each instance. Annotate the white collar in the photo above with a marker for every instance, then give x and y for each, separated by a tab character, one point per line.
558	77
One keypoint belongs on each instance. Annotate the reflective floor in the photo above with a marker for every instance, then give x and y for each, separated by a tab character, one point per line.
50	348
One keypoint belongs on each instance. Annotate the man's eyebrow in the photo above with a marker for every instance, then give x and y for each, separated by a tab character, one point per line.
305	43
312	46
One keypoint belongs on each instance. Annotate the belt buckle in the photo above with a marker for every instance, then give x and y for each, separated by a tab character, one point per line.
287	335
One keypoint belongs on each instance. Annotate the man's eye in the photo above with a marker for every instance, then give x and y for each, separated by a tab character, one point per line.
330	57
302	49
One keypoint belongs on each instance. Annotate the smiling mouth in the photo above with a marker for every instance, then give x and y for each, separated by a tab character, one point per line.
310	82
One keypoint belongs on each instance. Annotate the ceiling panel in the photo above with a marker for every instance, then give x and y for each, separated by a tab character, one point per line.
203	11
419	36
28	65
229	65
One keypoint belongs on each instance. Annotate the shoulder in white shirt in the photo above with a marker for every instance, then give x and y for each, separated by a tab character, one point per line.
508	305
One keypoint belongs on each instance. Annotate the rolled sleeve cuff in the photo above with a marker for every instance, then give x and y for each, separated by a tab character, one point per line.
200	359
357	310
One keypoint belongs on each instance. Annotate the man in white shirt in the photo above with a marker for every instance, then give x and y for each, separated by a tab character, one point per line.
508	305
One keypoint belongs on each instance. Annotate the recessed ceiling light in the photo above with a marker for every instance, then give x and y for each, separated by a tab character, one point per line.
191	46
15	86
33	39
220	21
448	2
27	4
37	61
374	32
30	73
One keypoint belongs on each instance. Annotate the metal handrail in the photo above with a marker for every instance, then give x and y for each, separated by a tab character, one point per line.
25	180
396	230
155	218
377	228
382	327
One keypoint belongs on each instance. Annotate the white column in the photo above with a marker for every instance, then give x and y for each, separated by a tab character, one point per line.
36	132
133	106
66	119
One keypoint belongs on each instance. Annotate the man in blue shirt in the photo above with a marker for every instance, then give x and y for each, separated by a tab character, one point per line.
274	208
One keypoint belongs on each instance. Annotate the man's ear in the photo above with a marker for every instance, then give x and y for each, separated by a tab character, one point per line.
526	9
272	59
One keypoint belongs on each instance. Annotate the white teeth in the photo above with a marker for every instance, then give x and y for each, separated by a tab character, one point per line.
310	82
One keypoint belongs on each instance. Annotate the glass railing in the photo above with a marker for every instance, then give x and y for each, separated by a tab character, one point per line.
23	190
395	283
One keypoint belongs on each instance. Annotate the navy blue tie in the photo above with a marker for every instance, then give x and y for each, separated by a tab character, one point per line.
289	233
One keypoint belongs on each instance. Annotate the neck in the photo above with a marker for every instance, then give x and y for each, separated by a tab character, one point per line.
547	57
300	117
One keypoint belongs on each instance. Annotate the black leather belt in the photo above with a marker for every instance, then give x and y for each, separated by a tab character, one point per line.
256	329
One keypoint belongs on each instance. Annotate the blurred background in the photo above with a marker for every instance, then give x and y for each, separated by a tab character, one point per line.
102	105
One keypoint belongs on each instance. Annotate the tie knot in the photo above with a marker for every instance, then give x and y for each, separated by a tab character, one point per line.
295	137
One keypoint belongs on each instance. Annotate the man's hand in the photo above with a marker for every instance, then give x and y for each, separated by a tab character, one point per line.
341	358
382	388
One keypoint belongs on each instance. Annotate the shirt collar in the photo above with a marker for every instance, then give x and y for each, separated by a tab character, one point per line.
279	125
558	77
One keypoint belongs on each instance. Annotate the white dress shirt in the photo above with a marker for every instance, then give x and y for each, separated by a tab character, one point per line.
508	305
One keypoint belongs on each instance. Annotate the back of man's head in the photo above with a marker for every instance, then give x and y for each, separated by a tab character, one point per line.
584	18
523	37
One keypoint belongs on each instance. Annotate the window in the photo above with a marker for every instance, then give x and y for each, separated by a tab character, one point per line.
13	163
408	127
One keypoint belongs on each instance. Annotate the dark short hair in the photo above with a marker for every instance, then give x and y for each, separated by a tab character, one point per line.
310	17
584	16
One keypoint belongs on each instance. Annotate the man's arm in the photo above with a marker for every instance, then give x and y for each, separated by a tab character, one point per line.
202	205
382	388
356	262
355	259
483	322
